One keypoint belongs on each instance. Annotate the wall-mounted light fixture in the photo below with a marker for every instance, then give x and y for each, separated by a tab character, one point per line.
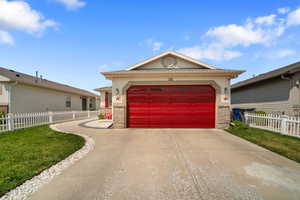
297	83
225	93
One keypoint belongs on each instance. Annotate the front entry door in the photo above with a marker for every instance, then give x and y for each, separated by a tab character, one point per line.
84	102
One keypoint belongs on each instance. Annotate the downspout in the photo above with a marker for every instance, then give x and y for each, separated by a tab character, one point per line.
287	76
10	95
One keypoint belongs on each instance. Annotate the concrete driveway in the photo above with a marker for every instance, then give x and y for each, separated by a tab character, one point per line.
172	164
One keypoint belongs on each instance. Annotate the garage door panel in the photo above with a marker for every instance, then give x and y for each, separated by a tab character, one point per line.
171	107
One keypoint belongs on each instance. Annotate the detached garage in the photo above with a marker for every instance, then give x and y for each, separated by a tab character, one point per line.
171	90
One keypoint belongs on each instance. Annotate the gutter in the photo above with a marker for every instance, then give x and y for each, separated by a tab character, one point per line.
285	76
10	96
229	74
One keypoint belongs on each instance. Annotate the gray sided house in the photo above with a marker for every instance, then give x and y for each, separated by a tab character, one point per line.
275	92
21	93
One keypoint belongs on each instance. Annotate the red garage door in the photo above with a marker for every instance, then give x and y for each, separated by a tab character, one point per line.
173	106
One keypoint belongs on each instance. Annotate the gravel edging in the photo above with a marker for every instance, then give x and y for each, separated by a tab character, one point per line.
24	191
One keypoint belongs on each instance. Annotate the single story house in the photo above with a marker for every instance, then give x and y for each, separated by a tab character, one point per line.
21	93
275	92
171	90
105	96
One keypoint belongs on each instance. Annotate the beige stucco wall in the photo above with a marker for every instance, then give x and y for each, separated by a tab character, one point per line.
157	64
25	98
119	101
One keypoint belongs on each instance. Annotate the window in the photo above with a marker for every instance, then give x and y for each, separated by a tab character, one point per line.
68	102
91	103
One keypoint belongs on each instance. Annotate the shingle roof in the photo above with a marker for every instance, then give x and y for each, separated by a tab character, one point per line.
38	82
272	74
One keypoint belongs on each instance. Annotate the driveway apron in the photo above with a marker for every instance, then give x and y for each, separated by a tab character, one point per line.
173	164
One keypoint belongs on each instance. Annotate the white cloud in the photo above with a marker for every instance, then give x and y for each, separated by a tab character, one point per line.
154	45
282	53
293	18
233	35
266	20
211	52
221	41
18	15
283	10
261	30
275	54
5	38
72	4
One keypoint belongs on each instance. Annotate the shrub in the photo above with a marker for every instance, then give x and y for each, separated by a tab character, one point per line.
101	116
260	112
240	125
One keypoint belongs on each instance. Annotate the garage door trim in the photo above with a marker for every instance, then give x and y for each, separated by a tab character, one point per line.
211	83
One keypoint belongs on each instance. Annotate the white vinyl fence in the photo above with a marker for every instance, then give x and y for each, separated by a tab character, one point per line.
278	123
14	121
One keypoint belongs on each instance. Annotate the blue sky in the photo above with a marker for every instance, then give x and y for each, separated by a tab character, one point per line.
72	41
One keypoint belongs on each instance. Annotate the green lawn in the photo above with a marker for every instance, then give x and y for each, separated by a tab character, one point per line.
25	153
284	145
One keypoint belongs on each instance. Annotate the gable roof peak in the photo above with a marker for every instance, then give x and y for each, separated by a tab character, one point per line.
173	53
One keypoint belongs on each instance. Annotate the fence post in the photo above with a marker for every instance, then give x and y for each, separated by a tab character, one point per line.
246	118
283	124
50	117
10	122
73	114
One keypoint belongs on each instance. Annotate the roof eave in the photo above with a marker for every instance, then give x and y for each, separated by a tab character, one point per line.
102	90
229	74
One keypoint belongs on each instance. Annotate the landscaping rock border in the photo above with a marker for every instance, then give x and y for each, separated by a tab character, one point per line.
24	191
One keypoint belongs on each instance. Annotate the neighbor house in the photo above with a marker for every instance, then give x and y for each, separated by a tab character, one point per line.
105	101
273	92
105	96
21	93
171	90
